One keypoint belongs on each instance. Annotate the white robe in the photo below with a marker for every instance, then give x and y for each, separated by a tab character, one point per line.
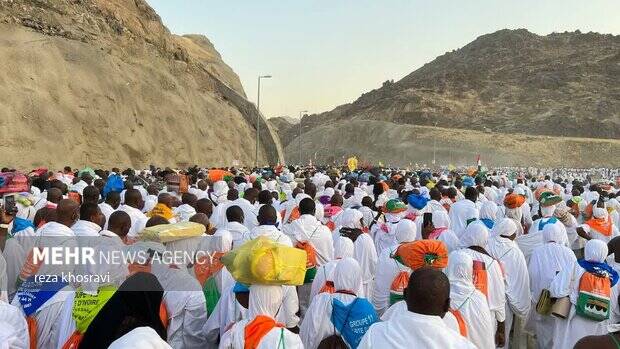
47	318
460	212
277	338
14	257
238	232
138	220
387	269
271	232
570	330
107	211
140	338
546	261
185	304
496	288
412	330
518	299
13	316
308	229
365	254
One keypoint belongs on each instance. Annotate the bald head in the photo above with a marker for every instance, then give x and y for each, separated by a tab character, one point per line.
204	206
166	199
67	212
267	215
428	292
202	218
133	198
119	223
251	194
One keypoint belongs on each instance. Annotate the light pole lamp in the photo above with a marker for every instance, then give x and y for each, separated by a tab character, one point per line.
258	118
300	116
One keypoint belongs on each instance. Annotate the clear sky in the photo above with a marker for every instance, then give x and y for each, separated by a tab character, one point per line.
323	53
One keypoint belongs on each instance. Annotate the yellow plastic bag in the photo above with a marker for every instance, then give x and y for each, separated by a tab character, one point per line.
262	261
172	232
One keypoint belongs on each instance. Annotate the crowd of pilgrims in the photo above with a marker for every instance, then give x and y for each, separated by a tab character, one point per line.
533	253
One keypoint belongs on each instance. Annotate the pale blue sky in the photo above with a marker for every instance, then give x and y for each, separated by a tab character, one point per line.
323	53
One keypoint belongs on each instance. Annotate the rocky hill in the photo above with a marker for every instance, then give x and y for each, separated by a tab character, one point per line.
105	83
507	82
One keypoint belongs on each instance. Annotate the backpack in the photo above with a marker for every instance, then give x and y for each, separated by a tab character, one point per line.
13	182
593	300
114	183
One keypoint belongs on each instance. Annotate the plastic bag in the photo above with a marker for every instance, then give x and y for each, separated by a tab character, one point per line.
172	232
262	261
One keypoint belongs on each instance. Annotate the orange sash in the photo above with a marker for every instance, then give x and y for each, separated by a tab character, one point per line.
601	225
461	321
328	287
257	329
74	341
480	278
163	314
310	252
206	266
294	215
32	331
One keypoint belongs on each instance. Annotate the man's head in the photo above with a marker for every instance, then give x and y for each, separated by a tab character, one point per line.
202	218
119	223
86	177
265	197
310	190
251	194
134	199
435	194
336	200
156	220
307	206
67	212
204	206
428	292
166	199
189	199
113	199
232	195
267	215
54	195
367	201
90	212
471	194
202	185
90	194
234	214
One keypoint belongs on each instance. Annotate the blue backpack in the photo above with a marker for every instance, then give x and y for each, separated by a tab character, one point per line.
114	183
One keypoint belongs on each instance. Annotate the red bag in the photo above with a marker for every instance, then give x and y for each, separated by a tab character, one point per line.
13	182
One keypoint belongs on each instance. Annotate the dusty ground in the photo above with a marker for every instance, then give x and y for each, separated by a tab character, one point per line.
404	145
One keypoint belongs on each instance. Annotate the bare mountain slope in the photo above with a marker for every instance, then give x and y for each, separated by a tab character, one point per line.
507	82
103	82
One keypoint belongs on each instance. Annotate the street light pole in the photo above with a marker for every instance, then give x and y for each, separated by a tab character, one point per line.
258	118
300	116
434	145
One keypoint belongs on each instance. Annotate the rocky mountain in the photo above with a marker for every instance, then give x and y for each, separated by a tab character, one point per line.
105	83
507	82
